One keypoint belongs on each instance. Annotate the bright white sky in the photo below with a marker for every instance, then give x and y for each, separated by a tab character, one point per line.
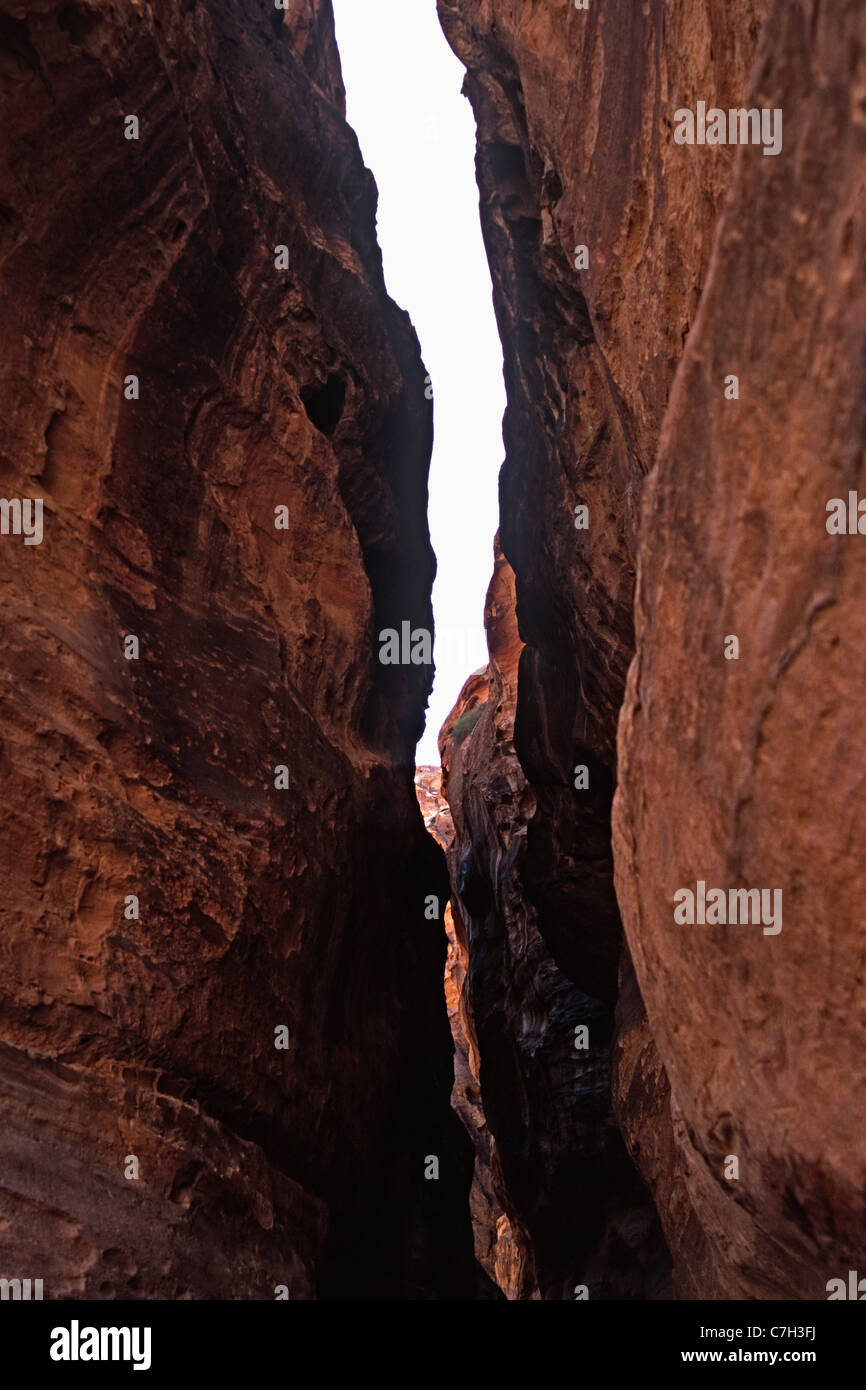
417	134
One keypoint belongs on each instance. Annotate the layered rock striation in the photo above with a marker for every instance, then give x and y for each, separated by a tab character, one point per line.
214	957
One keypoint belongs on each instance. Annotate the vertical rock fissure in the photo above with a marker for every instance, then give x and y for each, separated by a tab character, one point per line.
557	1204
530	860
226	1066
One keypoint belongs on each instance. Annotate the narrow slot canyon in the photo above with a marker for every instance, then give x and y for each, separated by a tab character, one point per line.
560	997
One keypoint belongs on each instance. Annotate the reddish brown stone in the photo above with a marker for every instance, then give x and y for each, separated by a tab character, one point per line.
750	773
703	261
577	1211
259	387
495	1247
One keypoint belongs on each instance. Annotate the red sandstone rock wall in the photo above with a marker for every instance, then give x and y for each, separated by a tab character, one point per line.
258	387
575	119
766	754
495	1246
702	261
578	1212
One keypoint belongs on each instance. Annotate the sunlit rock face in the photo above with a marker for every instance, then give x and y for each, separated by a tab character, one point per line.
215	958
633	276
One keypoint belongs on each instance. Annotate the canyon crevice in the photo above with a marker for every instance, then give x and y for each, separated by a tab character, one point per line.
227	1067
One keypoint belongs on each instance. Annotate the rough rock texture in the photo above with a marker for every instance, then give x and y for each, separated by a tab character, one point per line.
702	261
433	806
765	757
575	116
495	1247
580	1214
260	387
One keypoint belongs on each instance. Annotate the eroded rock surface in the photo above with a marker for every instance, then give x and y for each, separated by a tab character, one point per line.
578	1211
258	387
750	773
697	262
495	1247
575	119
